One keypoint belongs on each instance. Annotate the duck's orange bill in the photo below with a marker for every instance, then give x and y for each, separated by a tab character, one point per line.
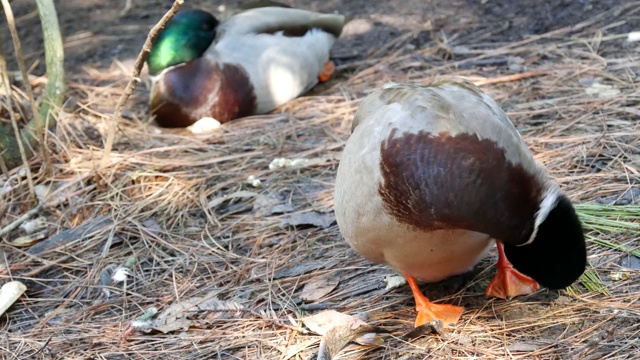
428	311
508	282
327	71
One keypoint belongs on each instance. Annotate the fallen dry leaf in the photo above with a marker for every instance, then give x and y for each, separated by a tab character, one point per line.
435	327
30	239
320	286
338	337
196	312
338	329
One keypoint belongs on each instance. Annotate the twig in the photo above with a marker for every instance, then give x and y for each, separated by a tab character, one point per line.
509	78
146	48
25	76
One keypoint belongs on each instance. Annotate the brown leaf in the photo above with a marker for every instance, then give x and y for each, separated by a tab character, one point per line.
435	327
197	312
320	286
338	330
29	239
339	336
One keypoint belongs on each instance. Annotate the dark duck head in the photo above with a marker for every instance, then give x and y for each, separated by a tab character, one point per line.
557	255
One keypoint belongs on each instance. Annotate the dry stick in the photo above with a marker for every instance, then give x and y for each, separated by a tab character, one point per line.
146	48
25	78
509	78
23	154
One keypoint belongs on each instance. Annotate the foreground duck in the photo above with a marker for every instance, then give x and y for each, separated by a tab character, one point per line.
433	175
249	64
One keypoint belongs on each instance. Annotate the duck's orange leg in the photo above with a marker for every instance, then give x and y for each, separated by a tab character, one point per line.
327	71
428	311
508	282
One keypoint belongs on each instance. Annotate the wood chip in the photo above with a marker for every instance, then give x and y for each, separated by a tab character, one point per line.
84	231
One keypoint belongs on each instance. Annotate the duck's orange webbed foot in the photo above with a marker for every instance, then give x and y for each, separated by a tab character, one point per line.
428	311
327	71
508	282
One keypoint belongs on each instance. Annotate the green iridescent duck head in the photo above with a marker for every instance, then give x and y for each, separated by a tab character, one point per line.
186	37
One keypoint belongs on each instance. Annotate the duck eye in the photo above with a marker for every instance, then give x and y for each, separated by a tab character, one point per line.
207	26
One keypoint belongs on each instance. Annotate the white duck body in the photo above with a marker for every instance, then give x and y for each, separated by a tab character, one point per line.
280	67
431	224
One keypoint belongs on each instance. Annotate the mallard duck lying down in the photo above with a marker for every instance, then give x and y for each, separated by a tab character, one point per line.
249	64
433	175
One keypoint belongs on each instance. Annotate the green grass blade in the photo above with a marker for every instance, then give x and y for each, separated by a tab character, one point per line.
598	220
